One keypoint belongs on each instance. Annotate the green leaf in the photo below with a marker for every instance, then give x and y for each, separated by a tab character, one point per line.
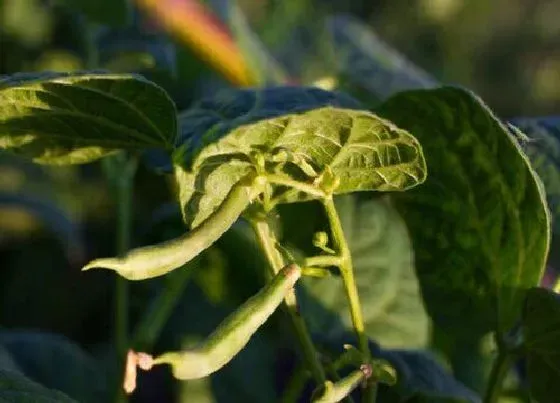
16	388
383	261
420	377
362	150
479	225
107	12
543	149
73	118
371	63
57	363
541	326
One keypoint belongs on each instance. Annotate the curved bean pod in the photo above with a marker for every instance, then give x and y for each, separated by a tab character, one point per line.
157	260
234	332
335	392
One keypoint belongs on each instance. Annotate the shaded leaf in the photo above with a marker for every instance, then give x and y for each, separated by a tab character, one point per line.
543	149
57	363
52	216
368	61
383	261
420	378
16	388
541	326
72	118
108	12
479	224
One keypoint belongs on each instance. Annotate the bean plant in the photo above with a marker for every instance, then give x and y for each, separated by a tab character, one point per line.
385	229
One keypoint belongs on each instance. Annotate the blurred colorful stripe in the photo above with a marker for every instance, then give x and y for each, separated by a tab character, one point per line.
194	23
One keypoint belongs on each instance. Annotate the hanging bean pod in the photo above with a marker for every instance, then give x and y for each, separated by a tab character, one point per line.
157	260
234	332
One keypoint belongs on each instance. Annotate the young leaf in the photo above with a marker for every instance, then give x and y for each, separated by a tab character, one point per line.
73	118
479	224
362	150
384	269
214	117
15	387
541	325
40	356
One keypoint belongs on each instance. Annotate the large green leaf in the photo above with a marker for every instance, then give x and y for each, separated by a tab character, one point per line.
57	363
384	269
72	118
16	388
479	225
541	326
362	150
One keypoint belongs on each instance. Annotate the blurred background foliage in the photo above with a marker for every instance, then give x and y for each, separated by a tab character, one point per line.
53	219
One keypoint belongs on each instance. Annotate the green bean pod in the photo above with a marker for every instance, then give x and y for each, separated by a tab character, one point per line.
335	392
231	336
157	260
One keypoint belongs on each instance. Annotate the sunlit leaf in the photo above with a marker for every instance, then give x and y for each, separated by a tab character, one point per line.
364	151
71	118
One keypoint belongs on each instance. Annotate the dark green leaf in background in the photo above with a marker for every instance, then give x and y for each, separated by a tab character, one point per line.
420	377
543	149
365	59
72	118
383	261
108	12
541	330
479	225
57	363
16	388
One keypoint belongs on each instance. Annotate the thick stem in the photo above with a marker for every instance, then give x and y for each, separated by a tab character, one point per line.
267	241
499	371
347	272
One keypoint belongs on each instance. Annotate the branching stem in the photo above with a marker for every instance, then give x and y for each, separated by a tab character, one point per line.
347	272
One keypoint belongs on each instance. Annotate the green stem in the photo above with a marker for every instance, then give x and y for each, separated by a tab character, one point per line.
301	186
347	272
149	328
267	241
498	373
323	261
120	171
